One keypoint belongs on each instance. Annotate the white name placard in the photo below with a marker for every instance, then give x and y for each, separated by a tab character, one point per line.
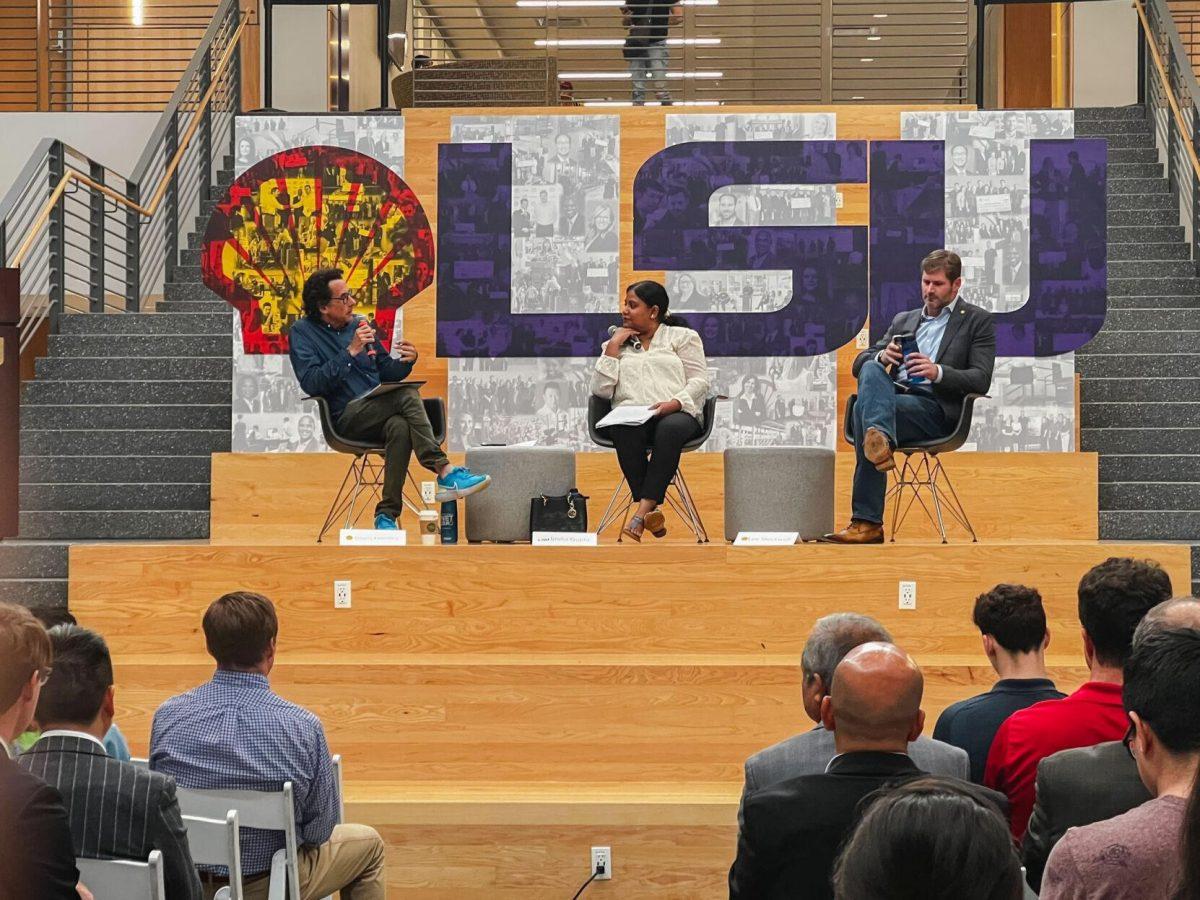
766	538
564	539
370	537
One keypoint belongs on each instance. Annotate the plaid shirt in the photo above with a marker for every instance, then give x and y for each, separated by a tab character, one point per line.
235	733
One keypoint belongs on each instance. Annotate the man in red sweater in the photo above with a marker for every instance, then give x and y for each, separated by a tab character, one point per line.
1113	597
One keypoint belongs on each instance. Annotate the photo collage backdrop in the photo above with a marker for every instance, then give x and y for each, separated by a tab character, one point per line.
269	414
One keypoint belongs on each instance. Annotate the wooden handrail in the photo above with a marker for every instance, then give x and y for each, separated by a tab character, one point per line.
1152	45
147	211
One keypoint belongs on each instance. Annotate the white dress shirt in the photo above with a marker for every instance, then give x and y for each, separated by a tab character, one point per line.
674	368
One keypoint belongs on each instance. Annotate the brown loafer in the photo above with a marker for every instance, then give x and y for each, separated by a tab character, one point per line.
656	523
857	532
878	449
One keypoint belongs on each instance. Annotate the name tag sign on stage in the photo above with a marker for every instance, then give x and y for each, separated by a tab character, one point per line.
741	212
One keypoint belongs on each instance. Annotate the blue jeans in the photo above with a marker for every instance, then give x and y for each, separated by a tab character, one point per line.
903	417
650	64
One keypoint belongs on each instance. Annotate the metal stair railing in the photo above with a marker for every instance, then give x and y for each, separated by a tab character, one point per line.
1172	95
89	239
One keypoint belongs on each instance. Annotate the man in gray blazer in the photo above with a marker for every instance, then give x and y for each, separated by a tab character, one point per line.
116	810
1090	784
809	752
915	395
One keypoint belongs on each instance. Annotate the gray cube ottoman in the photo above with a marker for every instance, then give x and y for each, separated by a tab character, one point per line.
501	513
779	489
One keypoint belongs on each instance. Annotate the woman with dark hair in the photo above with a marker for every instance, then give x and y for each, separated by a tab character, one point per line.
652	360
930	839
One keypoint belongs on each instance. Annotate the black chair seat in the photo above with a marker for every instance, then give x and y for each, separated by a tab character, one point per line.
932	446
435	408
599	407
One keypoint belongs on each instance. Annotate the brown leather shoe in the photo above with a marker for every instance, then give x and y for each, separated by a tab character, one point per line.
878	449
857	532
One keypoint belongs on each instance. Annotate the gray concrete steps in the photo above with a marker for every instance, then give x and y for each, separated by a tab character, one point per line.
124	525
1161	301
1101	389
1163	319
1150	413
126	416
85	368
1120	186
1137	234
1140	217
159	323
1148	250
142	345
1149	284
118	442
212	305
1140	439
1133	154
1141	201
1149	525
1158	496
1129	467
104	393
36	593
1144	365
1135	170
1110	340
99	469
181	290
1106	113
98	497
32	559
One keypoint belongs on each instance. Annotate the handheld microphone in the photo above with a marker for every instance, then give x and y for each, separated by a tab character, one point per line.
612	329
361	320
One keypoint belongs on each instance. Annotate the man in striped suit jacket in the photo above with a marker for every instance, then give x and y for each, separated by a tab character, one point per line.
117	810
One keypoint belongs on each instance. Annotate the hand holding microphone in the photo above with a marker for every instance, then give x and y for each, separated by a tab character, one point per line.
364	338
618	337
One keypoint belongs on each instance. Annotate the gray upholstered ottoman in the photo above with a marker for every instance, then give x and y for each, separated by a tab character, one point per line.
779	489
501	513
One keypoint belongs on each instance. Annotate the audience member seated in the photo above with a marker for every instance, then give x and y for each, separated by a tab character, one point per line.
1090	784
930	839
792	830
809	752
37	858
115	744
1013	624
1113	598
1137	854
235	733
117	810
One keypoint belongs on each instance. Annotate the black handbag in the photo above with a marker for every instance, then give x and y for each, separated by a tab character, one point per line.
565	513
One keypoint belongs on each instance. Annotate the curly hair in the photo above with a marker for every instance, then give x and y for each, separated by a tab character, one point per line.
316	293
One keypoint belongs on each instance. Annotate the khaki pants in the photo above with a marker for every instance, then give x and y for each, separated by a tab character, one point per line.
351	861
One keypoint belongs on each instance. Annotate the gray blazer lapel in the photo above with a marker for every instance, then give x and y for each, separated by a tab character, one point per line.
956	320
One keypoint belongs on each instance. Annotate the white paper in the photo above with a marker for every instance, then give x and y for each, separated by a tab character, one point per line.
371	537
766	538
627	415
564	539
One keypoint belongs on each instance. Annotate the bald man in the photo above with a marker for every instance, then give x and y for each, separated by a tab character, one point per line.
792	830
1090	784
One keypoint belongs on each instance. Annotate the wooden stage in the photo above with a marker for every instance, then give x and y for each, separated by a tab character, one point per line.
503	708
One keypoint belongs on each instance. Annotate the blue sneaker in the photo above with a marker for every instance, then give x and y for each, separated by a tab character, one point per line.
460	482
384	522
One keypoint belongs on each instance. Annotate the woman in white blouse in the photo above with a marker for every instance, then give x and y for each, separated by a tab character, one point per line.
652	360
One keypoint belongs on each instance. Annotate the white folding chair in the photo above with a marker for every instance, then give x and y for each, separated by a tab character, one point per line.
123	879
214	842
269	810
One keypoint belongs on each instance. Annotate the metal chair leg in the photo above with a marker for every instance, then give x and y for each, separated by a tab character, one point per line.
953	504
612	511
696	523
338	504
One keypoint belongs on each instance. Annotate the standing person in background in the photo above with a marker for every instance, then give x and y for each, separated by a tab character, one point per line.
1012	621
645	50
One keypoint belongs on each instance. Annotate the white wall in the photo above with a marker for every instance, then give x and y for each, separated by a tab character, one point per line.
115	139
301	59
1105	53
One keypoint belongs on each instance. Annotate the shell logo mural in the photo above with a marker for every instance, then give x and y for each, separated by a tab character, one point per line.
311	208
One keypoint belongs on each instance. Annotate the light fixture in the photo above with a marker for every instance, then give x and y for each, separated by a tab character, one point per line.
137	13
858	97
397	36
624	76
622	103
695	74
867	59
568	4
874	37
881	15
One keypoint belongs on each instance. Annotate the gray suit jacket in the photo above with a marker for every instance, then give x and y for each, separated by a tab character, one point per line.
1078	787
809	752
966	354
117	810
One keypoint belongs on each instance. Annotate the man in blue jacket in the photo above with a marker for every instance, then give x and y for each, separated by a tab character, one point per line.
334	355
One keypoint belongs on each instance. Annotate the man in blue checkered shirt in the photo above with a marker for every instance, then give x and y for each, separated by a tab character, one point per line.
235	733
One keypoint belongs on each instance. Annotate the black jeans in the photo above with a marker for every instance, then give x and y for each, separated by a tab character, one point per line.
665	436
399	421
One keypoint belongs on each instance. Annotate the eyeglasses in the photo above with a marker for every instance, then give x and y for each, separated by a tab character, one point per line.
1127	741
346	298
44	675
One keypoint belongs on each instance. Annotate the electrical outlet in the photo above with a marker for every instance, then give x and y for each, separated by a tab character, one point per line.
908	595
602	856
341	595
